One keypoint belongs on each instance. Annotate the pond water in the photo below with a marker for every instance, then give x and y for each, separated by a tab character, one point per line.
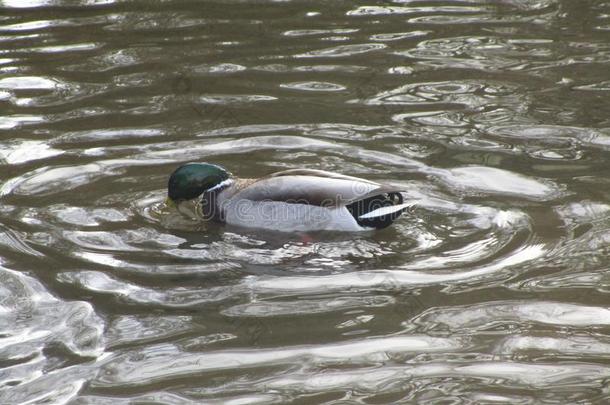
493	288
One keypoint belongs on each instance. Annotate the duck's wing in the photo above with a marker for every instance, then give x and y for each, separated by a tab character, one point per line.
371	204
314	187
317	173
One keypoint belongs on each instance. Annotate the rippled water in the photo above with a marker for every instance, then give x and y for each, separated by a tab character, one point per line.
494	115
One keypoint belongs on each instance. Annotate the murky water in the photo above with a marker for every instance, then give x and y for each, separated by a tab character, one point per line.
494	115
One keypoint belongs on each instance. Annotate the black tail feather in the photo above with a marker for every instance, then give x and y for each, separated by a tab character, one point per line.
364	206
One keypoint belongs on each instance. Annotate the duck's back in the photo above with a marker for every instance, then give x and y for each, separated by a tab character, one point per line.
314	187
304	200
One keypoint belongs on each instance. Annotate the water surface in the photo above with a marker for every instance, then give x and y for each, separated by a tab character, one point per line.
492	114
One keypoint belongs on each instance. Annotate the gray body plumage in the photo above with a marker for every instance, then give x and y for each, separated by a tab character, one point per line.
300	200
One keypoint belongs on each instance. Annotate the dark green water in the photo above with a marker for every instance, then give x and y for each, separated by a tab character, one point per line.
494	115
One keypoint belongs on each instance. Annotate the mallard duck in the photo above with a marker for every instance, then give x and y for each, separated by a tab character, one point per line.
290	200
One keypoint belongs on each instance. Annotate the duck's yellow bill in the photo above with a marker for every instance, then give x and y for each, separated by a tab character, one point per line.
170	203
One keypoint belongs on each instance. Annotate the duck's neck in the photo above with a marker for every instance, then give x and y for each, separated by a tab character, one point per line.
211	199
235	187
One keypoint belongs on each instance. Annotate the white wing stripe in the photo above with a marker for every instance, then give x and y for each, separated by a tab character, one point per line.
379	212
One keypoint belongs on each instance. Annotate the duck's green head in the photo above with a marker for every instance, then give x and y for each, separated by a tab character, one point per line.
193	179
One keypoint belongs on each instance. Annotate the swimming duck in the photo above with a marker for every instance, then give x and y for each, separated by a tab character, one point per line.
290	200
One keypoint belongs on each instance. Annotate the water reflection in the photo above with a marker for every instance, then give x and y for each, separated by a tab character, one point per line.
491	289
